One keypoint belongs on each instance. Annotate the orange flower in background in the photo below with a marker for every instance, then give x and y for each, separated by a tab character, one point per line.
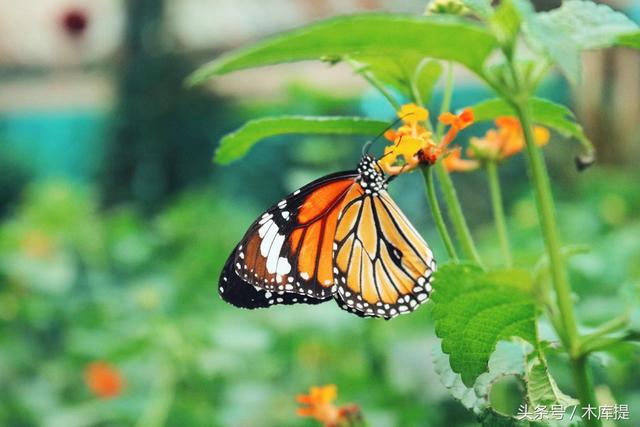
505	141
103	380
455	163
319	405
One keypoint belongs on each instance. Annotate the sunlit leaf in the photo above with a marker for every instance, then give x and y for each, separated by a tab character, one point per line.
474	310
368	35
575	26
235	145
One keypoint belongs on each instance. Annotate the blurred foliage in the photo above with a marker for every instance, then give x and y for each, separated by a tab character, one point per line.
79	285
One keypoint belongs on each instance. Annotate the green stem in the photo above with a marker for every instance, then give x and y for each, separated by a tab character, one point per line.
604	343
373	81
544	202
455	214
613	325
498	211
446	184
437	214
446	100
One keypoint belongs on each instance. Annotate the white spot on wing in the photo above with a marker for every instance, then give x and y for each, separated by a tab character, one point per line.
283	267
264	228
274	252
265	245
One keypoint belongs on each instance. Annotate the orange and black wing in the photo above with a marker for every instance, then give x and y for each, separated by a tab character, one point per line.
237	292
383	266
289	249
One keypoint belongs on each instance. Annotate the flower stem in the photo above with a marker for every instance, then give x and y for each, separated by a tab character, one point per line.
377	84
455	214
446	100
544	201
498	212
437	214
454	209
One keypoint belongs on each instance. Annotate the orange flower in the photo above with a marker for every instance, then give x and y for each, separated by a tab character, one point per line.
414	145
320	405
505	141
456	124
455	163
103	380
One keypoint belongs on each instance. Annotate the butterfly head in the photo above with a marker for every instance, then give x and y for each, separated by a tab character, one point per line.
370	176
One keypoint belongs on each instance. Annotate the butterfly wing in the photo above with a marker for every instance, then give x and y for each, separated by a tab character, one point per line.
290	247
237	292
383	266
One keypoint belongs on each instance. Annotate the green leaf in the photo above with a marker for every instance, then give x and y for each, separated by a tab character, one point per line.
629	40
511	358
542	389
364	35
545	112
236	144
474	310
505	23
577	25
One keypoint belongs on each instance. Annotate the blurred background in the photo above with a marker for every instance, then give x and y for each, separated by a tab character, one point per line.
114	223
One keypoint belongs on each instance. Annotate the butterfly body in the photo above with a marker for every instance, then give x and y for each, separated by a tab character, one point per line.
340	237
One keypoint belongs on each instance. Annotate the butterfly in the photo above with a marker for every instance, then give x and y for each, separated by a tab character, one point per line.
342	238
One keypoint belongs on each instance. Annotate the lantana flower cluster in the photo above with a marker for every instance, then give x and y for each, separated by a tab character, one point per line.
413	145
496	145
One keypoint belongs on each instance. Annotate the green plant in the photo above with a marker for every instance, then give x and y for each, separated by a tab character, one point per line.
475	307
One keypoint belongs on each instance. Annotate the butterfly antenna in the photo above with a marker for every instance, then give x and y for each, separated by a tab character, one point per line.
368	144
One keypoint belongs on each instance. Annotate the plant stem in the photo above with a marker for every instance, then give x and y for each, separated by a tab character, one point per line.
613	325
446	100
437	214
455	214
498	211
446	184
544	202
603	343
373	81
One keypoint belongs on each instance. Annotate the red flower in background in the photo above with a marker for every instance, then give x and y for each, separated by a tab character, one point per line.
103	379
75	22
